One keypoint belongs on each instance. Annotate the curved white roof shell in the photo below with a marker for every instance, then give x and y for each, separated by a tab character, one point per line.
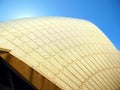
73	54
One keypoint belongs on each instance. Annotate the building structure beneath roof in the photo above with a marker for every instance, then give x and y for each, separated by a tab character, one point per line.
56	53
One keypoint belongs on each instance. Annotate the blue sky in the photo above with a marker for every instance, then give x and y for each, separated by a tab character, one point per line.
104	13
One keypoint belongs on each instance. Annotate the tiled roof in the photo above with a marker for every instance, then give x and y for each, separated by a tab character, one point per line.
73	54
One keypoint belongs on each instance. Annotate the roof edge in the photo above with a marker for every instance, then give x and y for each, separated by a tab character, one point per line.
4	50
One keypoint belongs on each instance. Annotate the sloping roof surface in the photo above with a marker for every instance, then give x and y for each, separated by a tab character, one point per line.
73	54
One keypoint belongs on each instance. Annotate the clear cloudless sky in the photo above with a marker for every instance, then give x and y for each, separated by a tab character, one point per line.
104	13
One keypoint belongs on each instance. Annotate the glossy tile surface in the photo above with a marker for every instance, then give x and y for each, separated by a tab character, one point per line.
73	54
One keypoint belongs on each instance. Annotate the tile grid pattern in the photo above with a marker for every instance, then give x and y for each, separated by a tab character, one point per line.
73	54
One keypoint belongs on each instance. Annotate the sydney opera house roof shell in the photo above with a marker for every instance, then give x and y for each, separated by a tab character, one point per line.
56	53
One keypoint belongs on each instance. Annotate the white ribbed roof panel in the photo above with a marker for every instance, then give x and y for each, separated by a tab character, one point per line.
73	54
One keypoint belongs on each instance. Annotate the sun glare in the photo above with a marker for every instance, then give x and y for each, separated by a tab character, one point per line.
24	15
